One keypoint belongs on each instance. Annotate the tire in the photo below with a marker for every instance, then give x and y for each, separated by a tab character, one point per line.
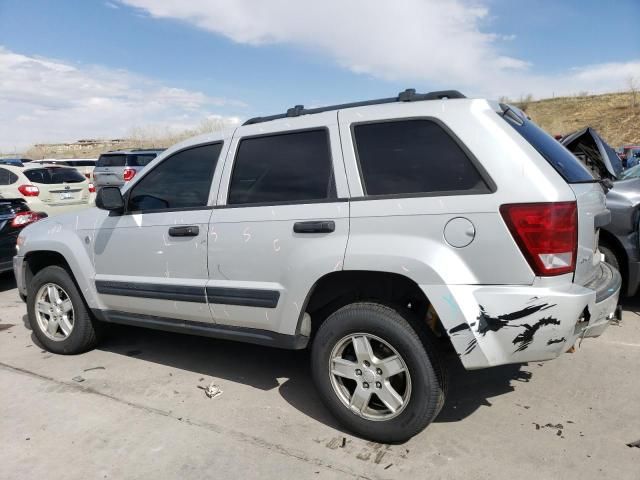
421	384
72	331
609	256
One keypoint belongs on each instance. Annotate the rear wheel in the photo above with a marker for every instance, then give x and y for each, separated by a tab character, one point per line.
57	313
375	374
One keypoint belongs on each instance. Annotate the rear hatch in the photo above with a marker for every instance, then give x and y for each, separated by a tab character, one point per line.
59	185
588	191
109	169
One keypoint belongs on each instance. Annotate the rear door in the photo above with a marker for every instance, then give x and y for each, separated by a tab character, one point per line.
281	223
151	261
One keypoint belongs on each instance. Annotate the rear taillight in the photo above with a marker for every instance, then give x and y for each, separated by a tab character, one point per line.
23	219
128	174
92	188
547	234
29	190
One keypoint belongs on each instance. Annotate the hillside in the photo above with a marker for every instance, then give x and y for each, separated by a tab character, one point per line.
610	114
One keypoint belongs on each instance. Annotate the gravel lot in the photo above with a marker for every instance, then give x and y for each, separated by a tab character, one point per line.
134	409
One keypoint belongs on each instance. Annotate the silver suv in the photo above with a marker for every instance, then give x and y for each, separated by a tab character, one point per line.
118	167
374	233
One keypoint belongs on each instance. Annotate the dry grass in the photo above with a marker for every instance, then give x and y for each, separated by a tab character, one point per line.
611	114
150	137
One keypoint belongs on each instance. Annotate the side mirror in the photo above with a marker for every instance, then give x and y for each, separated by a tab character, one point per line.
110	198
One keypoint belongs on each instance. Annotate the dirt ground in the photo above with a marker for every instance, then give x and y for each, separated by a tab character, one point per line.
135	408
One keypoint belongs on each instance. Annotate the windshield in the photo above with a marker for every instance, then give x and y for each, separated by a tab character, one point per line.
633	172
54	175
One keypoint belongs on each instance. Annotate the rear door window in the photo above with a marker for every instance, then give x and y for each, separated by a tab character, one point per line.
54	175
7	177
111	161
283	168
413	157
561	159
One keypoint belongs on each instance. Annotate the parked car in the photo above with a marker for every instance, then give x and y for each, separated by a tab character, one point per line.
119	167
14	216
84	165
48	188
371	231
16	162
619	239
631	154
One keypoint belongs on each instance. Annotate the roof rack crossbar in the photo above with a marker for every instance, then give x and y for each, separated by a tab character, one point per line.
408	95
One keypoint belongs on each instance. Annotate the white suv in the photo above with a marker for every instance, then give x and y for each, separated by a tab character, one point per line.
372	232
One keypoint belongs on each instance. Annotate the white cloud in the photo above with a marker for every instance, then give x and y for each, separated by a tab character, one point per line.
44	100
439	42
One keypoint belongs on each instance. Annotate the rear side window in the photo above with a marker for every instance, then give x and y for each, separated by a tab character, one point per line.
111	161
291	167
182	180
561	159
54	175
140	160
7	177
413	157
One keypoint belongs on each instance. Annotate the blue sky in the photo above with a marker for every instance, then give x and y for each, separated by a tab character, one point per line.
240	59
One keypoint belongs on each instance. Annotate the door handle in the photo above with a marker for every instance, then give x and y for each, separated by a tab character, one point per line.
316	226
189	231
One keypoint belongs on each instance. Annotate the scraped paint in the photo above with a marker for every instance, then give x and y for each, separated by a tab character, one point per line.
525	338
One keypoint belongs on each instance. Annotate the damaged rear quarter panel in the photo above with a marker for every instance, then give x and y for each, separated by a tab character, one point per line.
495	325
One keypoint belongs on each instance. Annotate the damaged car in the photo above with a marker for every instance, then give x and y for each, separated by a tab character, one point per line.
618	241
373	233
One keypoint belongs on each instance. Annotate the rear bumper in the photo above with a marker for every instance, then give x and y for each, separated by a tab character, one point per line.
496	325
607	287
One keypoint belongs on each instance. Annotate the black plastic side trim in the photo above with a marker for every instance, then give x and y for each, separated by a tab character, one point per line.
225	332
178	293
243	296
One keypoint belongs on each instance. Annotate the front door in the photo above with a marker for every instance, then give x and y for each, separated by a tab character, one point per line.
281	222
152	260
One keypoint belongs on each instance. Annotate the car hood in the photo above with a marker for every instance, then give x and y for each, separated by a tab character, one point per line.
594	153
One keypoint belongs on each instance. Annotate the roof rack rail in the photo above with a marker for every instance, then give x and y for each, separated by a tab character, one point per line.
409	95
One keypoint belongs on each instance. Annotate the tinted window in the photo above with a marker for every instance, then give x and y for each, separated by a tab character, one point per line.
183	180
82	163
54	175
111	161
7	177
293	167
565	162
140	160
413	156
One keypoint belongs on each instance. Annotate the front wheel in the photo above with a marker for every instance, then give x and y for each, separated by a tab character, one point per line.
57	313
375	374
